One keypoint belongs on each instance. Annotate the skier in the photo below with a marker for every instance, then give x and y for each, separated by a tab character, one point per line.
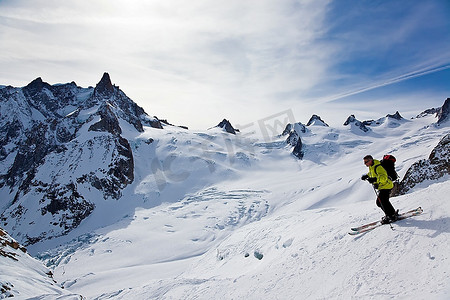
378	177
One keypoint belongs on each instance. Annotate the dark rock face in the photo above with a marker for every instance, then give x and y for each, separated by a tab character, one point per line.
226	125
316	120
298	150
352	120
7	242
104	87
120	172
433	168
126	109
294	131
36	90
108	122
431	111
395	116
69	206
370	123
444	113
49	100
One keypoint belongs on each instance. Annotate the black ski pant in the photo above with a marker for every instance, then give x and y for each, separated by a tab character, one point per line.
384	203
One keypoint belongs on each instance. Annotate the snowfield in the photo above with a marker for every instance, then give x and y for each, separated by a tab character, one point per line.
211	215
267	226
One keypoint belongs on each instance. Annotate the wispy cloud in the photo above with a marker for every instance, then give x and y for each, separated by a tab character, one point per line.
383	44
240	59
385	82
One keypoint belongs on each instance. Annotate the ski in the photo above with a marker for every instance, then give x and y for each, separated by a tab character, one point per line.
373	225
406	214
364	226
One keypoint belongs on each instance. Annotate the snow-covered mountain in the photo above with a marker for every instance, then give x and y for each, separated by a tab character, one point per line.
23	277
62	149
316	121
227	127
119	204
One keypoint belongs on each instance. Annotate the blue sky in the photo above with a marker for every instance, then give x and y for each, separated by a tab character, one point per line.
197	62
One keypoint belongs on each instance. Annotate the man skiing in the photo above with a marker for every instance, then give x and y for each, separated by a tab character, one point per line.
378	177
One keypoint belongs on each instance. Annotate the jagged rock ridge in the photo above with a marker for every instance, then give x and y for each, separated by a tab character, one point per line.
444	113
395	116
351	120
435	167
294	131
226	125
393	120
316	120
42	123
430	111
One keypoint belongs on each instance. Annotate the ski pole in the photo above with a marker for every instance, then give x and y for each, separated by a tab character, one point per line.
381	204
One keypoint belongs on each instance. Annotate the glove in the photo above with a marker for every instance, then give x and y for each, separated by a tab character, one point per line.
375	185
372	179
365	177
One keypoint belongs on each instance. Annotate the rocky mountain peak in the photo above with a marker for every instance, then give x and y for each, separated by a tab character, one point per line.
316	120
226	125
444	113
35	86
430	111
396	116
105	93
294	131
351	120
105	86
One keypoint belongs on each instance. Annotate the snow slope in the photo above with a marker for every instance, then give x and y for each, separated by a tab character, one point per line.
23	277
217	216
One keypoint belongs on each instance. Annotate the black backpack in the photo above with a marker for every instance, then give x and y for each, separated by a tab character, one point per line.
388	163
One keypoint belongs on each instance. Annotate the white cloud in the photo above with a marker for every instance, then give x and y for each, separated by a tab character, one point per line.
201	59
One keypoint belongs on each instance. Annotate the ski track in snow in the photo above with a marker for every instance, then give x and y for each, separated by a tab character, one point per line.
249	221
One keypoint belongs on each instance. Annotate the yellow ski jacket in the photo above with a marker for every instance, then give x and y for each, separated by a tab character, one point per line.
377	171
